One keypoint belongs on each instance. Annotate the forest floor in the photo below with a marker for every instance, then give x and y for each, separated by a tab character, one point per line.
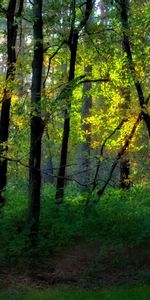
84	265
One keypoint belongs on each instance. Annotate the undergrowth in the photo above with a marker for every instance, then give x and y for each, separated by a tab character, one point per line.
120	218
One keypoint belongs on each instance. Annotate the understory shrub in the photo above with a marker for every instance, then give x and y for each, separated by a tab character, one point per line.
120	217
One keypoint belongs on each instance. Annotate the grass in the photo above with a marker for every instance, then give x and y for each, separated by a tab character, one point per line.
134	293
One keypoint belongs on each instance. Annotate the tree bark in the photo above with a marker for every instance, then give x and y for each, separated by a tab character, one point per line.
86	127
124	11
36	122
66	129
12	28
73	42
125	180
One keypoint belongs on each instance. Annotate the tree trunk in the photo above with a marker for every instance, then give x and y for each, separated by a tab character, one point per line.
125	173
124	11
36	122
124	5
66	129
12	27
73	42
125	180
85	146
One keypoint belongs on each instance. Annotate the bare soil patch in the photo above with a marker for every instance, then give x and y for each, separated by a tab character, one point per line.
83	264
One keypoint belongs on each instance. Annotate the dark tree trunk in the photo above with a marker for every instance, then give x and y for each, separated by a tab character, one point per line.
125	173
125	180
36	122
125	164
12	27
124	11
86	127
66	129
73	42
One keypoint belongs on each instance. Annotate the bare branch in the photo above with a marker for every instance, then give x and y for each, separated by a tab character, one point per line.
27	20
147	100
50	59
30	2
112	133
120	154
43	172
94	80
102	149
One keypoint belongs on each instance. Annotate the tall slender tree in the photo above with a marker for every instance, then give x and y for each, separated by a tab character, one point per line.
73	43
125	180
36	121
13	13
124	17
86	127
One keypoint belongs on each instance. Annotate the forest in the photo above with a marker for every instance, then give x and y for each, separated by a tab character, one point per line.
74	149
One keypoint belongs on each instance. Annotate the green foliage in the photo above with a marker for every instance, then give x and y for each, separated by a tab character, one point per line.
12	222
100	47
128	293
120	218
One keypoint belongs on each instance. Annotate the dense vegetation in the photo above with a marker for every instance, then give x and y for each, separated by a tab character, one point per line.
74	140
120	219
109	239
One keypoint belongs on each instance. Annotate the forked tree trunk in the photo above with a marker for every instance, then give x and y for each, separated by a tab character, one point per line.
73	42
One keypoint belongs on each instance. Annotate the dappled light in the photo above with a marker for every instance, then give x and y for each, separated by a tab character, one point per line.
74	148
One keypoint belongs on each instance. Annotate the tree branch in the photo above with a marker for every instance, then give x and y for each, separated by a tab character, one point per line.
124	11
88	9
94	80
89	6
20	9
31	167
120	154
102	149
50	59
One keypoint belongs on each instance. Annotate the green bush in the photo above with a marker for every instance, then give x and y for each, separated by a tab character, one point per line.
120	217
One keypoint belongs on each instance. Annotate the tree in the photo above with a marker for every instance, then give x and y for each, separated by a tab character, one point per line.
124	15
86	127
37	125
104	64
73	43
13	14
